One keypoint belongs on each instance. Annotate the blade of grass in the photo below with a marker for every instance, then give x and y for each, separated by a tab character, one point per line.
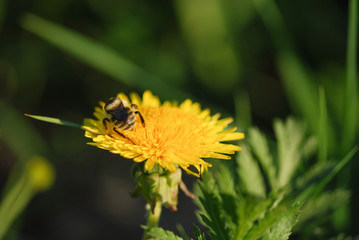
54	120
35	176
336	169
182	232
100	57
317	186
323	128
350	106
296	78
19	135
350	127
10	207
215	59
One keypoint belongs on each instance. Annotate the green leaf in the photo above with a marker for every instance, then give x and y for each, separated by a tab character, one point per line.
198	235
323	126
100	57
283	228
215	62
290	137
343	237
54	120
157	233
316	210
319	177
305	184
182	232
261	149
250	209
285	209
336	169
227	192
225	180
351	99
214	214
250	175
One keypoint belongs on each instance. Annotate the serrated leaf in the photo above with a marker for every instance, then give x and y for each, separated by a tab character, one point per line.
214	217
251	179
54	120
250	209
157	233
285	209
309	147
213	214
227	194
225	180
290	136
260	148
198	235
283	229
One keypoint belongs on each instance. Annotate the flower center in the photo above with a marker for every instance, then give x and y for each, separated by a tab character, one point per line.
168	129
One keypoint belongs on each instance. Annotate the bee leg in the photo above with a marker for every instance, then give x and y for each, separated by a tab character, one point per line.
134	106
123	135
142	120
104	122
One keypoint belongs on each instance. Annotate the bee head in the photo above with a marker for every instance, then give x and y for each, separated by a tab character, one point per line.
113	104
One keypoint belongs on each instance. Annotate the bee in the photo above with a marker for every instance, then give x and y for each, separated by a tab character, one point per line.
122	115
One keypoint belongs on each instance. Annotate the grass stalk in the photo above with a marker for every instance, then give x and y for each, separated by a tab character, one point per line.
350	106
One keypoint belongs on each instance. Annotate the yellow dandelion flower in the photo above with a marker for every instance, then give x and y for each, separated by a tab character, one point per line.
172	135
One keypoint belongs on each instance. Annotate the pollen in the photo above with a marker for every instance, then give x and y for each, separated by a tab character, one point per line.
173	135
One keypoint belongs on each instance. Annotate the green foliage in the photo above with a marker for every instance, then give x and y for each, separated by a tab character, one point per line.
100	57
215	217
299	81
277	222
236	215
315	211
126	39
343	237
350	124
36	175
198	235
262	195
160	234
54	120
278	164
19	135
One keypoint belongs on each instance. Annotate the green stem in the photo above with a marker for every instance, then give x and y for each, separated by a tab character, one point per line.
322	128
350	107
153	218
13	203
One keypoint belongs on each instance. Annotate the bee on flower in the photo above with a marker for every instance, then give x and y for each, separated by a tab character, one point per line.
168	134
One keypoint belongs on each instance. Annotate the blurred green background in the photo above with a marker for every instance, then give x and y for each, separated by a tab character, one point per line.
253	59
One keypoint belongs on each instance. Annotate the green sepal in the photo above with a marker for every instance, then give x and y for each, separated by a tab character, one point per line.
157	186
